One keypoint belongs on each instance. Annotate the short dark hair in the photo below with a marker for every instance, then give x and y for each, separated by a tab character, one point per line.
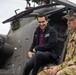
42	15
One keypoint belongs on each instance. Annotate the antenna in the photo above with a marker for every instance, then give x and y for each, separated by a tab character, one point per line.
16	11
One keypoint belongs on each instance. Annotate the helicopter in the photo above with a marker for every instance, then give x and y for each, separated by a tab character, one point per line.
15	45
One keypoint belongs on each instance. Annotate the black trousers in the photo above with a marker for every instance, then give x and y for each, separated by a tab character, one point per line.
37	61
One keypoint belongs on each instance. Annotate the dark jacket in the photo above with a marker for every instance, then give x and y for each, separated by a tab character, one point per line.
50	41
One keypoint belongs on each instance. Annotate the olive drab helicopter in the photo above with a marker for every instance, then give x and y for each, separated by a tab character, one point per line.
15	45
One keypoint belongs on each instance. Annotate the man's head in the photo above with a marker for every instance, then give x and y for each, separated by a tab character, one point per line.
71	20
43	21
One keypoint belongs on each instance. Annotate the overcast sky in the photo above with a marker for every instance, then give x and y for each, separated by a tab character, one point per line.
7	8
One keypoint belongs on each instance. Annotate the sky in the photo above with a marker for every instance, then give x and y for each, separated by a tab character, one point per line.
7	8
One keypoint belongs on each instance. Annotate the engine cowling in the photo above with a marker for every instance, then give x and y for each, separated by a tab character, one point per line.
6	51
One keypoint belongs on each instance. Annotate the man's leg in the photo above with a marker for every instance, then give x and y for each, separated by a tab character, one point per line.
70	70
41	58
29	65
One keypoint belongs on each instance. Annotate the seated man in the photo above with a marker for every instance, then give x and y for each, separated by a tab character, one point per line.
43	49
68	67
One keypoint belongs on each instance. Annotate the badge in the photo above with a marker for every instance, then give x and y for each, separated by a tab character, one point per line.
47	35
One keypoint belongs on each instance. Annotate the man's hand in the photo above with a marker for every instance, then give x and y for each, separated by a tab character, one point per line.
30	54
34	50
54	70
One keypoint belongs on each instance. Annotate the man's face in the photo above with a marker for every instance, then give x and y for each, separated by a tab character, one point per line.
42	22
72	24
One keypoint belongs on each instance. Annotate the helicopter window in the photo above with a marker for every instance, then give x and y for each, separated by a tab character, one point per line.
15	25
60	25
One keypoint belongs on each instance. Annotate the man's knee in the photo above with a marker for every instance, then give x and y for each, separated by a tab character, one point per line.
39	56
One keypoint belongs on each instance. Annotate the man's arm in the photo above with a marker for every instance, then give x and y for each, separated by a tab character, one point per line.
53	70
33	43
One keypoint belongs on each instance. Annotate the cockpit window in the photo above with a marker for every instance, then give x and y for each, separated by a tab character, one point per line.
15	25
